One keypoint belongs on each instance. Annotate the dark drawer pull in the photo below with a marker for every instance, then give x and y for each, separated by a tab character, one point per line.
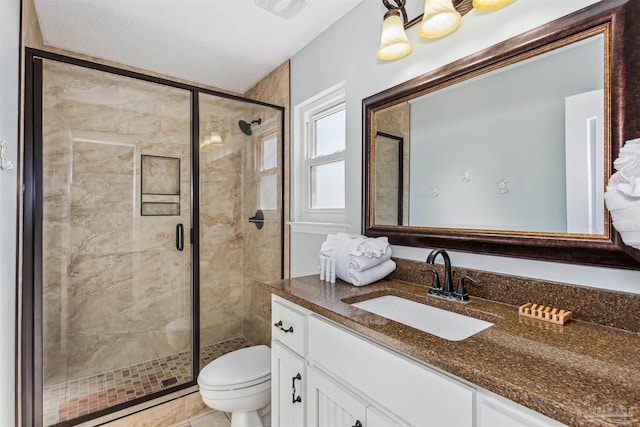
357	424
279	325
295	399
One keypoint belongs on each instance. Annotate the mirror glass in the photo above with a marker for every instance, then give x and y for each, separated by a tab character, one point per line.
515	147
389	178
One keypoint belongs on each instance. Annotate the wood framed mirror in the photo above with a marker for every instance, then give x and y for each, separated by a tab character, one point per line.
508	151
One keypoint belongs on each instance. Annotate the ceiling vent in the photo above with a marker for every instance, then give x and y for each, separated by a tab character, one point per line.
286	9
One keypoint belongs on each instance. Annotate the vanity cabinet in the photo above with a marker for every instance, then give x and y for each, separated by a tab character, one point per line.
348	380
401	388
495	411
288	378
288	366
329	404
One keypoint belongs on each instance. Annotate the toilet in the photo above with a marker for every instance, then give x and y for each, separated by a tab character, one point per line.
239	382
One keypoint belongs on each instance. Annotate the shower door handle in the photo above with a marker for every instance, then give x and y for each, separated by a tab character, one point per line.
180	237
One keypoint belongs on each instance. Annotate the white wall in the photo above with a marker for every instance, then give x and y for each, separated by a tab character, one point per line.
478	126
346	52
9	84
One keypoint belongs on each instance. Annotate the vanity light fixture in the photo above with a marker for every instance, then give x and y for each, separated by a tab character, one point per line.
213	139
440	17
490	4
394	43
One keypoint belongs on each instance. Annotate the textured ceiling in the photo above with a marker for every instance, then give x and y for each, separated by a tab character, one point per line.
229	44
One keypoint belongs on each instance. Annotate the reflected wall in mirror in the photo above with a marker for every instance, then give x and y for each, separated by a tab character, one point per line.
389	178
525	123
509	150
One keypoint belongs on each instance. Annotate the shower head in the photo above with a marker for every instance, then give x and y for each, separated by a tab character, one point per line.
246	127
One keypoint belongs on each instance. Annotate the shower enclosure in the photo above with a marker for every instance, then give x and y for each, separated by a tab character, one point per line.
138	248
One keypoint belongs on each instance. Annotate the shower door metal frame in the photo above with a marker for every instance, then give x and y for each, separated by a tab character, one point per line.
31	363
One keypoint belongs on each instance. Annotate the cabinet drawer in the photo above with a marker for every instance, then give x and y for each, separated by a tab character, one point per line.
288	325
412	391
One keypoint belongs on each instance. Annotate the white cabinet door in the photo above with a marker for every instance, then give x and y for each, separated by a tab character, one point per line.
413	392
331	405
287	387
494	411
375	418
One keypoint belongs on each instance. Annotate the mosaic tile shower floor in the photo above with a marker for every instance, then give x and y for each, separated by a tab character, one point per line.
83	396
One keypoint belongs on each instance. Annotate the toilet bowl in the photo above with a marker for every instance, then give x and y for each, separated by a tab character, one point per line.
239	382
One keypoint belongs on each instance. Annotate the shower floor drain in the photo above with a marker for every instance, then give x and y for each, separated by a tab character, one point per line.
169	382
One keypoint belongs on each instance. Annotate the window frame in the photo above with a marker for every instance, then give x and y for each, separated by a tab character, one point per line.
259	163
306	113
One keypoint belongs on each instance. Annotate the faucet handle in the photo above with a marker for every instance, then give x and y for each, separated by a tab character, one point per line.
461	293
435	284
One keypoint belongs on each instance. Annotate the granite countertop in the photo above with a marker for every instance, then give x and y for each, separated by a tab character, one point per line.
581	374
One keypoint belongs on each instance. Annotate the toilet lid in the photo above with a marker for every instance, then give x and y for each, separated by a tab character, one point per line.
247	365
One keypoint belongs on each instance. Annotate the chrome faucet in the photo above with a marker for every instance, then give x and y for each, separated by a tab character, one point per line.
447	289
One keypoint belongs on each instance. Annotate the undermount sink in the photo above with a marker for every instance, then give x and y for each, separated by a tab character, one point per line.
442	323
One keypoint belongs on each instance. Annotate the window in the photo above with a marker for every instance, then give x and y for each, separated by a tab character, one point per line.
319	158
268	172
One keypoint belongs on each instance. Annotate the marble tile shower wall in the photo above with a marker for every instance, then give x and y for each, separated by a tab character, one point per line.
262	253
112	279
221	239
394	121
262	249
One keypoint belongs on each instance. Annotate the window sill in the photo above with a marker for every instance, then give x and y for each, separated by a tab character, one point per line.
318	227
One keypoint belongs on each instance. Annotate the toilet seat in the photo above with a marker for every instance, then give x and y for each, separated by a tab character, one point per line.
240	369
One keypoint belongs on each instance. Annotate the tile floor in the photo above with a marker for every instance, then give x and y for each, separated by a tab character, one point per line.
220	419
75	398
213	419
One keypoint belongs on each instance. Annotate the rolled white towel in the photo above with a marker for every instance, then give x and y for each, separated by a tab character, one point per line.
361	263
361	278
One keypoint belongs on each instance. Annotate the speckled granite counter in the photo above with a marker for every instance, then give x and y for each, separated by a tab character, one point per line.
581	374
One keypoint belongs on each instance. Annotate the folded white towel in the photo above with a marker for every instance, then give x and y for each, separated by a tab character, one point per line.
361	263
361	278
627	219
627	178
372	247
337	240
352	251
616	200
623	194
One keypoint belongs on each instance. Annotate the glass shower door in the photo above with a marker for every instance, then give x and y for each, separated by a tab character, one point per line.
116	253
